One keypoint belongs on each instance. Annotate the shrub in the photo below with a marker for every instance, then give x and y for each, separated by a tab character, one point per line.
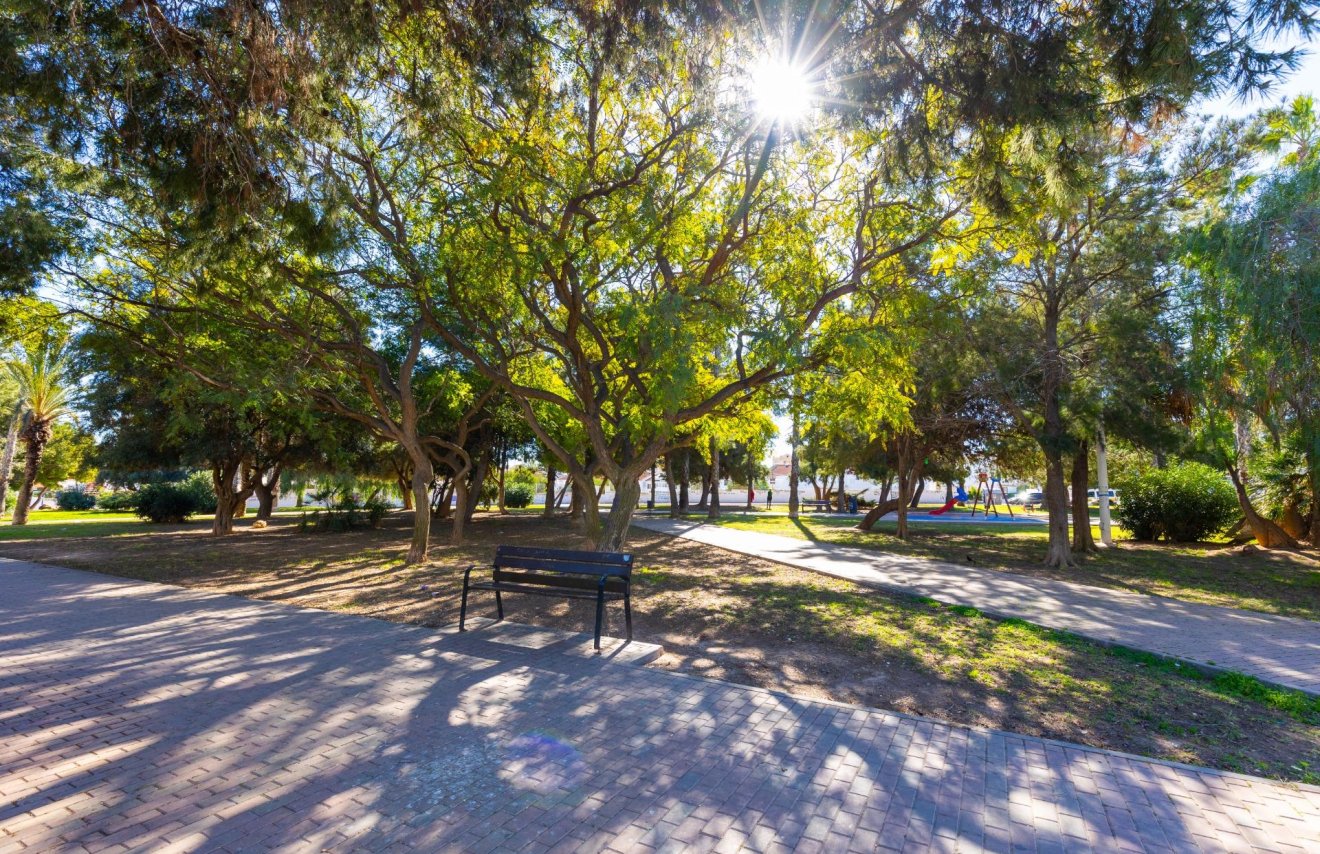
120	501
165	502
199	486
518	495
74	499
345	513
1182	503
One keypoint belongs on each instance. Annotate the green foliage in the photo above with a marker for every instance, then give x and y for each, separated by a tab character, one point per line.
117	501
165	503
345	514
1182	503
344	511
202	489
71	453
75	499
517	496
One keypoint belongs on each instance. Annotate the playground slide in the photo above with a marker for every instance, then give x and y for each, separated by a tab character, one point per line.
948	505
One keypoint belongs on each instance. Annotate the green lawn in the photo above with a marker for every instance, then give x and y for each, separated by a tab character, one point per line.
1274	582
46	524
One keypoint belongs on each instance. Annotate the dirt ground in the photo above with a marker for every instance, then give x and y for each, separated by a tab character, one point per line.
727	616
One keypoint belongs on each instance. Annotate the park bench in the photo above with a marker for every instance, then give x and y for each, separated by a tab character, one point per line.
820	506
556	572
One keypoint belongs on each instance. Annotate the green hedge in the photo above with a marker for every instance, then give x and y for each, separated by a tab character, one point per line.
166	502
517	496
74	499
1183	503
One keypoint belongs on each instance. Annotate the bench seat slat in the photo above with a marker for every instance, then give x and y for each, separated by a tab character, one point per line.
547	565
546	579
540	590
608	558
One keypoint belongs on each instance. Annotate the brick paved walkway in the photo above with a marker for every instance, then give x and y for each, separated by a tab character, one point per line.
1283	651
148	717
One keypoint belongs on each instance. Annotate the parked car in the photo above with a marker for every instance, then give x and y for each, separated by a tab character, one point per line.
1029	498
1093	497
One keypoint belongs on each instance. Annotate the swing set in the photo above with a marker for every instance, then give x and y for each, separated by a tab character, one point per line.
985	496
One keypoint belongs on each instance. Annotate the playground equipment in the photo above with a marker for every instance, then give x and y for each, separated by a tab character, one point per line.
985	496
960	498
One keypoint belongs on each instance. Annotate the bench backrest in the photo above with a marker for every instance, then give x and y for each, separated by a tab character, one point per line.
564	560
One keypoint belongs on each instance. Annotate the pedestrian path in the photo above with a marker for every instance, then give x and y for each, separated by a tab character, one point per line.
1283	651
137	716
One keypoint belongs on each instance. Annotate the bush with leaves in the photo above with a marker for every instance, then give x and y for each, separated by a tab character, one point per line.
518	495
200	486
344	511
165	503
120	500
1183	503
74	499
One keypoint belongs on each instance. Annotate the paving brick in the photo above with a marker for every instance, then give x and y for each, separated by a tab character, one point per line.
153	716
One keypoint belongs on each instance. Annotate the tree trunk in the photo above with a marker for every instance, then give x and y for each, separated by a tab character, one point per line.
422	476
1268	535
7	460
915	503
462	501
475	484
843	492
910	474
714	510
406	493
35	436
794	472
948	492
1059	555
222	480
442	503
590	508
1053	438
674	510
575	502
614	532
703	503
550	477
1102	482
504	465
876	513
751	479
267	487
1082	541
1313	468
685	480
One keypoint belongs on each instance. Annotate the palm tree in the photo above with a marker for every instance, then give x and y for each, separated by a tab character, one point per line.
11	415
44	396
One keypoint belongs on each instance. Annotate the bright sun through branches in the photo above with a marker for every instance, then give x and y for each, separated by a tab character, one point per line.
782	91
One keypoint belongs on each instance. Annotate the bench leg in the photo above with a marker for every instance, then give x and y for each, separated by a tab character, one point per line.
600	612
462	608
627	612
499	605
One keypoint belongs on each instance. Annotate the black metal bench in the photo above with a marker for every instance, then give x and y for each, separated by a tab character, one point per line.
556	572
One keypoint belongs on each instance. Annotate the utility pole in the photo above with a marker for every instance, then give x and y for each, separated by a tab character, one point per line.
1102	486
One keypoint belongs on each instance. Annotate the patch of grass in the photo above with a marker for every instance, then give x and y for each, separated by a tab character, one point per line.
1274	582
48	524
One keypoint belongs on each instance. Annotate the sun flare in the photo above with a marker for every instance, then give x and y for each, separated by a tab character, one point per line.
781	91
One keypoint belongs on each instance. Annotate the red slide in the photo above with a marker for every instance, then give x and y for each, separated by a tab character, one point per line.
946	508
